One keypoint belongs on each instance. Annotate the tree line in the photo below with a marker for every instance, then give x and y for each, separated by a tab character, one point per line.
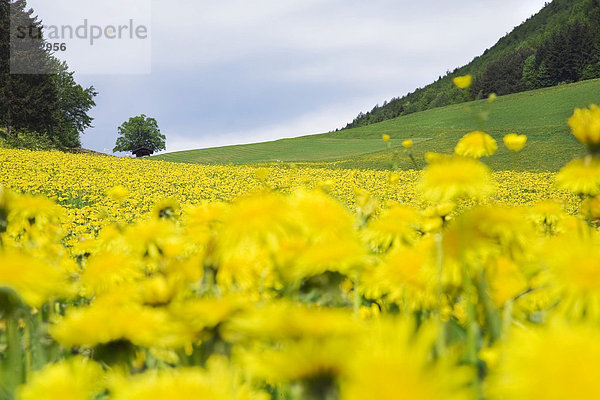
45	100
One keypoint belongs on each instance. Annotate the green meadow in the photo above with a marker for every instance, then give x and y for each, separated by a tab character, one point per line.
540	114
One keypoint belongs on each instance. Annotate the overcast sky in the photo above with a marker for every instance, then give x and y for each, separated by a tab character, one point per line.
239	71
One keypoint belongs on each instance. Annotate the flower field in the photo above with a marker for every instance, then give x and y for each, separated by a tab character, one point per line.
137	279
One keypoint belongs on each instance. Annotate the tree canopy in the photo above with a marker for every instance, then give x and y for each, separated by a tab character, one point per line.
140	132
41	95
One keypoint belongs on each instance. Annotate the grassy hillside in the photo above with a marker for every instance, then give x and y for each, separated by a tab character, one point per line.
541	115
557	45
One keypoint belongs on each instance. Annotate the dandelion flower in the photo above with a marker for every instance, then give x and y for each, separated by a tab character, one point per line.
166	208
590	208
35	281
118	193
575	267
105	270
397	225
283	320
406	277
407	144
585	126
580	176
506	281
385	137
463	82
101	324
515	142
396	363
557	362
218	382
304	361
476	145
75	379
454	177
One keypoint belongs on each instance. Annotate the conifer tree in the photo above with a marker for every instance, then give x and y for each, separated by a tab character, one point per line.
28	101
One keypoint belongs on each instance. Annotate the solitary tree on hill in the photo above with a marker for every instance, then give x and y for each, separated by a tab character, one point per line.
140	136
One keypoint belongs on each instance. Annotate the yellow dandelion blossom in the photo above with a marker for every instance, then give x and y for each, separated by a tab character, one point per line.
455	177
407	276
432	157
307	361
118	193
585	126
284	320
34	209
75	379
107	269
590	208
101	324
167	208
556	362
506	281
218	382
335	255
515	142
207	313
463	82
483	234
397	225
154	239
262	174
385	137
580	176
575	266
476	145
35	281
396	363
251	234
202	221
547	214
407	144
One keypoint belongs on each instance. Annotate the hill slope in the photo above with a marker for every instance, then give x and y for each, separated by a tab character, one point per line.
540	114
560	44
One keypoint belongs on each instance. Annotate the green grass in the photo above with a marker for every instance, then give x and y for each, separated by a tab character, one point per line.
541	115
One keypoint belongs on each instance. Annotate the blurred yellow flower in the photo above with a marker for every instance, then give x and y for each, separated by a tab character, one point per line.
556	362
34	281
104	322
515	142
218	382
385	137
118	193
75	379
580	176
454	177
397	225
574	263
395	362
306	360
167	208
285	320
590	208
476	145
407	144
585	126
407	277
463	82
